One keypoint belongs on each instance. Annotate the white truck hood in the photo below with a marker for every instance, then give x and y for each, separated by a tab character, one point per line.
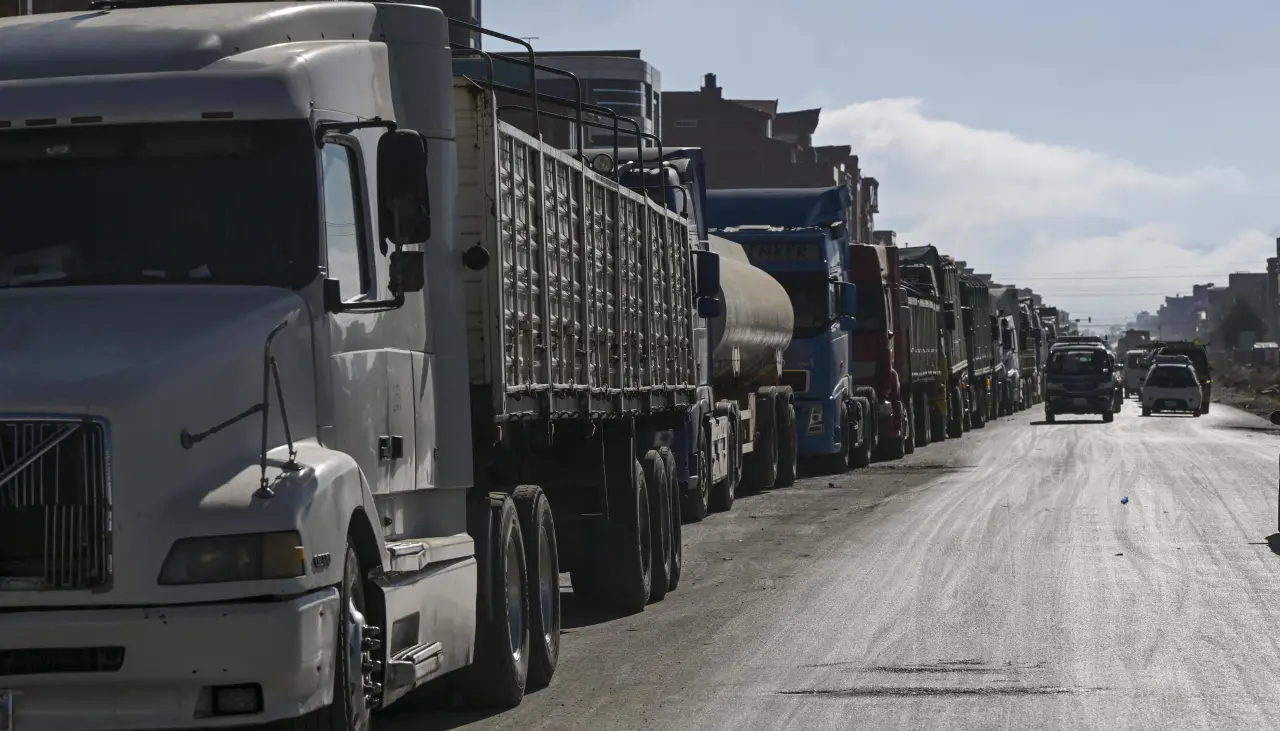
152	361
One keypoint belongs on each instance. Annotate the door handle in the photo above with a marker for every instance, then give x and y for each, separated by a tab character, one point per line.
390	447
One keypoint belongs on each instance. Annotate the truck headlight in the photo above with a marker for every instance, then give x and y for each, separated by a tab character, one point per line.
247	557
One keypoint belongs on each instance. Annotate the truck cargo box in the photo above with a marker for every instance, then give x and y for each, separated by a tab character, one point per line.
585	305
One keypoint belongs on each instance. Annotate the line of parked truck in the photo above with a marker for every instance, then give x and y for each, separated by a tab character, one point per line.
473	362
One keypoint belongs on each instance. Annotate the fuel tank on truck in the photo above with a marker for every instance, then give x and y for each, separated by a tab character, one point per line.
755	322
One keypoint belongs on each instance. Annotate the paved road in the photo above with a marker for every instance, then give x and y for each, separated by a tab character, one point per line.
992	582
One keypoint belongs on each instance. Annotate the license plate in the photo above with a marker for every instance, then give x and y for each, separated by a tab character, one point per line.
6	710
1081	402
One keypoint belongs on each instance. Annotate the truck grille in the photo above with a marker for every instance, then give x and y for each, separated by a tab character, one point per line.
55	505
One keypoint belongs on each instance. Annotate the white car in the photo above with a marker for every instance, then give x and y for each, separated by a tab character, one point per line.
1170	387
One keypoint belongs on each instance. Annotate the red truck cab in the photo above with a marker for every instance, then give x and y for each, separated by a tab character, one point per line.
875	347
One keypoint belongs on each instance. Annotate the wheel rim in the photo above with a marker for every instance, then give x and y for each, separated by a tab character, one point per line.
704	474
664	526
792	440
547	588
515	602
358	679
646	536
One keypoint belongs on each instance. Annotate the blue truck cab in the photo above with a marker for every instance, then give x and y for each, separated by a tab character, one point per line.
801	237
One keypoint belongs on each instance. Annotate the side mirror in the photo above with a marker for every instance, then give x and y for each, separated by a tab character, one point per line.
408	271
950	320
847	306
1006	339
706	266
904	316
404	204
848	323
902	297
332	296
708	307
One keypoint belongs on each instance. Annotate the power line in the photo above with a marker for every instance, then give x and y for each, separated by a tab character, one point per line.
1191	269
1136	276
1161	293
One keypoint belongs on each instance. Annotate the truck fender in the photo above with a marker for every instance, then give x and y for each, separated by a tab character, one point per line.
325	499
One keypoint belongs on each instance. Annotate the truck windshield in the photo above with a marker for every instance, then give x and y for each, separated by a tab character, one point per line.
871	306
1078	362
1172	376
200	202
810	295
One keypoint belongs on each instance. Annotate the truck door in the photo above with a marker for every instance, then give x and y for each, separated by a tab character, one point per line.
371	381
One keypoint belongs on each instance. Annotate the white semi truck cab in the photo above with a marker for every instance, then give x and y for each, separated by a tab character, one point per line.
257	310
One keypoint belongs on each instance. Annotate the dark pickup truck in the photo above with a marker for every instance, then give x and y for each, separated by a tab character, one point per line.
1080	379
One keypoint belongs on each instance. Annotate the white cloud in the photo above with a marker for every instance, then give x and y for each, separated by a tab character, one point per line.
1113	235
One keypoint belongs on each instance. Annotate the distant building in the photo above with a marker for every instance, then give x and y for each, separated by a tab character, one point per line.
748	143
620	81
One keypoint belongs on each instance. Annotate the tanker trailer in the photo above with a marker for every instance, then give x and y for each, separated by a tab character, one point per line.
742	433
752	426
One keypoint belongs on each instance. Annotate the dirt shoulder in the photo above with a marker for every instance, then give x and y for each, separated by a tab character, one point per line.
1256	390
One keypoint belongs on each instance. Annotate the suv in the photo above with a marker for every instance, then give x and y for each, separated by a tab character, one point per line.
1080	380
1171	387
1199	360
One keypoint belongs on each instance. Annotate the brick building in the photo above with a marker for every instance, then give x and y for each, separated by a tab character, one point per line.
748	143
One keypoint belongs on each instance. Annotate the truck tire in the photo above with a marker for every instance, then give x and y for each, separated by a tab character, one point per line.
909	424
979	413
349	710
1108	417
788	452
677	533
895	447
937	422
629	545
955	419
966	409
695	502
1204	406
542	559
723	495
838	463
497	675
655	478
1146	411
760	468
1048	416
923	427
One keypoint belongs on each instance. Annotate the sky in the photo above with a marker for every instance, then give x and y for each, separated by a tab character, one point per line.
1105	154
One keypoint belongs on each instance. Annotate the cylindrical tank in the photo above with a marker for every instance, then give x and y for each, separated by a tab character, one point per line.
755	322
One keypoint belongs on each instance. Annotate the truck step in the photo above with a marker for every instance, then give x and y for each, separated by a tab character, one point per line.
410	668
415	554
